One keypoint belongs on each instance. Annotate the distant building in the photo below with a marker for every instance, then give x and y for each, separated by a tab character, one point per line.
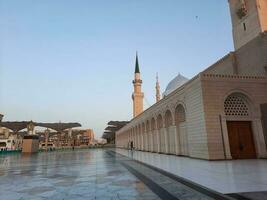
9	141
68	138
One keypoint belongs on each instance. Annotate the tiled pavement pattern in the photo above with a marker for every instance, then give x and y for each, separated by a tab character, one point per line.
224	176
88	174
160	161
171	185
72	175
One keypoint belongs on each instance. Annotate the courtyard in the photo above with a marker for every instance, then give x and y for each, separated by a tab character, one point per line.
119	174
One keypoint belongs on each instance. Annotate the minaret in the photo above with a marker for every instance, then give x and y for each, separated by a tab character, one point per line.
138	95
157	89
249	19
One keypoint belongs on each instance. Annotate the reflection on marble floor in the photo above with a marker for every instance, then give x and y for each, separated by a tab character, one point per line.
84	174
233	176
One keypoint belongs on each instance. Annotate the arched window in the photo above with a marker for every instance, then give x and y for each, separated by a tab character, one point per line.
153	124
236	105
159	122
180	114
168	118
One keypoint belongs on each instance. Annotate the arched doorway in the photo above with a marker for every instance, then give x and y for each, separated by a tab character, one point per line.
143	137
170	132
161	141
154	135
239	126
180	122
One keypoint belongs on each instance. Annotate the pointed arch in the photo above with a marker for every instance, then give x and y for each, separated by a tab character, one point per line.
168	118
159	122
181	129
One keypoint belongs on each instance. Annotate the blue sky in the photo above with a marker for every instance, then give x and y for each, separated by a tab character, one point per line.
73	60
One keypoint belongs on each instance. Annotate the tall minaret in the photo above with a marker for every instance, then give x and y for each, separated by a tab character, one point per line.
157	89
249	19
138	95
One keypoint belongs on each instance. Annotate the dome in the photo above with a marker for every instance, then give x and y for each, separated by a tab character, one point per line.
177	82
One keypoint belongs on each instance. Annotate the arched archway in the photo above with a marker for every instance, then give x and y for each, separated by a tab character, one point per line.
154	135
170	132
162	140
143	137
238	114
180	122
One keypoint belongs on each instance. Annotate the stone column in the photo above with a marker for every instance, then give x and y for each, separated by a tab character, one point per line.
226	139
137	141
151	141
158	139
177	141
148	141
145	141
142	141
259	139
172	140
166	139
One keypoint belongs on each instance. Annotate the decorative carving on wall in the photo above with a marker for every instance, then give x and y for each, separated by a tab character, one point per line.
242	10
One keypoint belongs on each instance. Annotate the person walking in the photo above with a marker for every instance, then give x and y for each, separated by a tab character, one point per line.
131	145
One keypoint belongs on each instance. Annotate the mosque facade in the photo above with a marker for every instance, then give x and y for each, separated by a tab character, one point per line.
221	113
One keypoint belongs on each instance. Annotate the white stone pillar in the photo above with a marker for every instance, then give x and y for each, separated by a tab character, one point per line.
172	140
226	139
177	141
147	141
151	141
157	140
259	139
137	141
142	141
166	140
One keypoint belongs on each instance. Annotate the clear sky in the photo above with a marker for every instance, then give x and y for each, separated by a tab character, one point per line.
73	60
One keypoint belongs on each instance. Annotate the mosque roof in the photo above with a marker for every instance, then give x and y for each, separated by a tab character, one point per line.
175	83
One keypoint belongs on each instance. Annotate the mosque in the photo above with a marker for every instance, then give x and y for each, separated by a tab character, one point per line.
221	113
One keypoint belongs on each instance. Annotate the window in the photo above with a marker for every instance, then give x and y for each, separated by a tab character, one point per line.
235	105
244	26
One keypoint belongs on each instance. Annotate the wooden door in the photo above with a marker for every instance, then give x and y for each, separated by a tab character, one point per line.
241	139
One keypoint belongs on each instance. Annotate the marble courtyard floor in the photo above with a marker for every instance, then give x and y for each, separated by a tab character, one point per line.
117	174
245	177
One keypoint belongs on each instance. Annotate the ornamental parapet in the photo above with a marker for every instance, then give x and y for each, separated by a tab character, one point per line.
229	76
